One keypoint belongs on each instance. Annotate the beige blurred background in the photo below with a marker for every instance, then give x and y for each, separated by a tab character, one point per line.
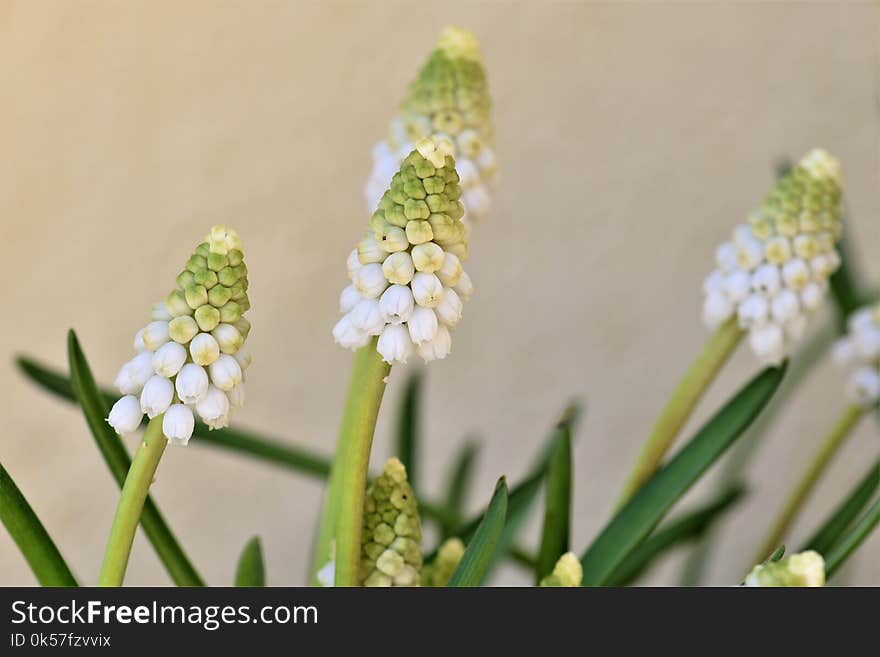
632	137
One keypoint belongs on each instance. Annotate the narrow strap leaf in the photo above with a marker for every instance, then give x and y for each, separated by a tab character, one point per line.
250	571
406	440
557	507
828	534
850	541
94	407
480	552
31	537
646	508
458	487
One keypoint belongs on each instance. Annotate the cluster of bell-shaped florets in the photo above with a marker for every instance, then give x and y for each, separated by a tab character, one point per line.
859	353
801	569
407	282
774	272
448	102
189	358
391	542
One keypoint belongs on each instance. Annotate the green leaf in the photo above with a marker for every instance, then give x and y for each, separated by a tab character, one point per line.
250	571
406	440
778	553
95	408
246	442
850	541
848	294
557	508
843	515
646	508
480	552
688	527
458	488
31	537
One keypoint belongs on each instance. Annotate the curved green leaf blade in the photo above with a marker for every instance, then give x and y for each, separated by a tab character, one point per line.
246	442
640	515
557	507
406	439
843	515
250	570
850	541
688	527
31	537
95	409
480	552
458	487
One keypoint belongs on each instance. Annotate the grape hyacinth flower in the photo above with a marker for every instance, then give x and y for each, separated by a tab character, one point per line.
391	552
803	569
567	572
773	274
449	103
190	359
407	282
859	354
439	572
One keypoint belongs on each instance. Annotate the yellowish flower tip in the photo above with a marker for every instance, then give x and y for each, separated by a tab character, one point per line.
391	543
802	569
222	239
439	572
568	572
459	43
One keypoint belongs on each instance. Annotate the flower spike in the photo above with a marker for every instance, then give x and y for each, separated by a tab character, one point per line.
449	102
774	272
189	356
859	353
391	552
567	572
802	569
439	572
407	282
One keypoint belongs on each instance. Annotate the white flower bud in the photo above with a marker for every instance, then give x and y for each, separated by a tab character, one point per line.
785	306
214	408
477	201
352	263
427	257
422	325
843	351
156	396
396	304
427	289
368	250
135	373
398	268
725	257
168	359
347	336
867	343
393	239
126	415
717	309
753	311
394	344
766	280
182	329
864	386
795	273
749	254
778	250
464	288
160	312
768	342
204	349
821	266
468	173
370	281
450	307
450	273
139	341
737	285
236	396
861	320
439	347
228	338
178	424
811	296
367	317
191	383
155	335
244	359
348	299
225	372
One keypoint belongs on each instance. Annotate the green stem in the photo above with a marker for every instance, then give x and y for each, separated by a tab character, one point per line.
131	503
344	504
681	404
798	497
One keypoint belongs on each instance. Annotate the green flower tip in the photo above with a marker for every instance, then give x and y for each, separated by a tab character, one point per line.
439	572
391	553
458	43
566	573
802	569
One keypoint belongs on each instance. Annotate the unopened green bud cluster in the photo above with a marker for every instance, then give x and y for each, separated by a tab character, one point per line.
448	102
439	571
802	569
567	572
391	553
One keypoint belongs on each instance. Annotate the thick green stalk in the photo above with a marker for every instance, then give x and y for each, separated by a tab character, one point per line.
131	503
681	404
798	497
344	503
